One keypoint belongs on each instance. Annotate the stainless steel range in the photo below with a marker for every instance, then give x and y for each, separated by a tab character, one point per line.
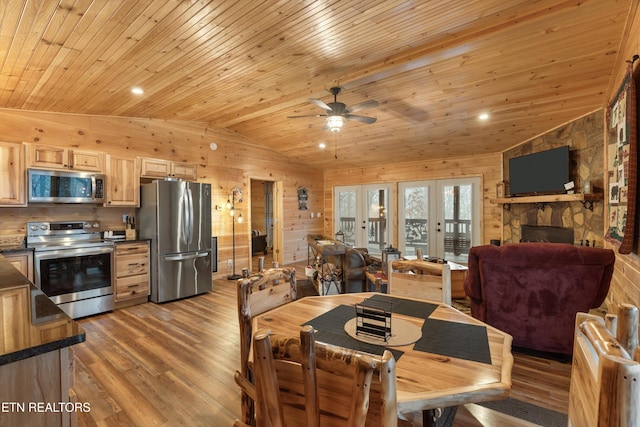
73	265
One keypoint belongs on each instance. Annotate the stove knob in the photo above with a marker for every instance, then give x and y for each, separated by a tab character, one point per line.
96	225
44	226
34	227
86	225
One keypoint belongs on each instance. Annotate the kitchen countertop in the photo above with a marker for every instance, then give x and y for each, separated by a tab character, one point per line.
117	241
48	327
9	249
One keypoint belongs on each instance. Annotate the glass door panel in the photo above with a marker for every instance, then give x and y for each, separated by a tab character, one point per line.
414	211
346	200
362	214
440	217
377	219
459	218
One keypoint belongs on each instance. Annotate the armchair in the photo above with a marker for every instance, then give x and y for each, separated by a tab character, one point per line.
533	291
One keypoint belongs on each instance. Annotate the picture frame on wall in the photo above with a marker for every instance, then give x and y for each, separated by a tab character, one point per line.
622	165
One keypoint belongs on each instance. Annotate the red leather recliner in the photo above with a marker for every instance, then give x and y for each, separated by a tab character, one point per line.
533	291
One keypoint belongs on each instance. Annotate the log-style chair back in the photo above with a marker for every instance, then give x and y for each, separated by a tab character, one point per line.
258	294
321	384
420	279
605	373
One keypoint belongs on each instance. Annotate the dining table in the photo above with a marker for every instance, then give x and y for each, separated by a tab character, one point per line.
456	359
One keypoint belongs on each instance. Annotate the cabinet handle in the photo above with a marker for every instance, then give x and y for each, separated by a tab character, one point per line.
135	264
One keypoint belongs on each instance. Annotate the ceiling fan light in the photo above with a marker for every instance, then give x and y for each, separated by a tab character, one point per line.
334	123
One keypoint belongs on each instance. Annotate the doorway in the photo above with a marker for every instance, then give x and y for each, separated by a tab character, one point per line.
265	230
440	217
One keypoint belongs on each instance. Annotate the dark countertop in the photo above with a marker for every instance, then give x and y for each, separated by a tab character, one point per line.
46	326
9	249
118	241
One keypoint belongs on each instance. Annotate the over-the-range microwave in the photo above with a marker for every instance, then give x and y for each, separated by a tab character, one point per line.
50	186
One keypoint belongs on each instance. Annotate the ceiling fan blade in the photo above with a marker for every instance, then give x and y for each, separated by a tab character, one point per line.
311	115
362	119
362	106
320	104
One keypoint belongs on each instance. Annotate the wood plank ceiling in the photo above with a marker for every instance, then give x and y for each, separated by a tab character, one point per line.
247	65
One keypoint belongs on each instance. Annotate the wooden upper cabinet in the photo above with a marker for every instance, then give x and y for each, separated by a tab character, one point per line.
48	157
157	168
123	181
87	160
12	175
188	171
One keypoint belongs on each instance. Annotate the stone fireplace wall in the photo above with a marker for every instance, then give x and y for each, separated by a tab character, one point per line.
585	138
586	224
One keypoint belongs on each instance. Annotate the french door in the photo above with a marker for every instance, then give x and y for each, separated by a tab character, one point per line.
363	216
439	217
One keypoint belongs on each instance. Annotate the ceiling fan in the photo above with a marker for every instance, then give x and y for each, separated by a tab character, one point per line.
338	112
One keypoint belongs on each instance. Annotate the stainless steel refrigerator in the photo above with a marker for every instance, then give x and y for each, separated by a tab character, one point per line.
176	216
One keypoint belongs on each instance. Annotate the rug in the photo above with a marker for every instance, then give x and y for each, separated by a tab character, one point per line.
527	411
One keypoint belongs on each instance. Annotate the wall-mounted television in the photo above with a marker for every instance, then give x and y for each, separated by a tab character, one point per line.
545	172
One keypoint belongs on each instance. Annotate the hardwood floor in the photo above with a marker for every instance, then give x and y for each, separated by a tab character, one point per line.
172	364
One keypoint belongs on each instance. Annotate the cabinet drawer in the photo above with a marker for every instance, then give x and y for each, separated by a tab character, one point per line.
132	287
129	265
131	248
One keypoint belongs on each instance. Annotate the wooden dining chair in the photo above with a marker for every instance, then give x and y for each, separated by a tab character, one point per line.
605	372
258	294
420	279
319	384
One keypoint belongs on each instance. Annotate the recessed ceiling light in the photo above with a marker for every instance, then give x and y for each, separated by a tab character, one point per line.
322	145
137	91
484	116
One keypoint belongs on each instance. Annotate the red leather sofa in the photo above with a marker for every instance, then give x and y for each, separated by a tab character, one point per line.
533	291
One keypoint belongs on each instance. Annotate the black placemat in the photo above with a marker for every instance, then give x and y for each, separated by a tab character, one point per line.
459	340
408	307
330	329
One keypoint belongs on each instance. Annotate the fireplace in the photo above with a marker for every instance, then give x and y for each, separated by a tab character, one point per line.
544	233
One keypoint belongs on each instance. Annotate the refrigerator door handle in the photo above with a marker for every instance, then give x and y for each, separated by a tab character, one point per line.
190	213
184	257
185	219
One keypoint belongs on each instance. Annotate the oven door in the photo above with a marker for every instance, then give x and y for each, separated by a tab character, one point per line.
66	275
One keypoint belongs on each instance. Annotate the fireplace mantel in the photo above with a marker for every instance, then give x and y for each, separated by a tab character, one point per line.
550	198
586	199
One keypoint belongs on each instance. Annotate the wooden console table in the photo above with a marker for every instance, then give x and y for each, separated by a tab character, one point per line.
377	279
320	249
458	274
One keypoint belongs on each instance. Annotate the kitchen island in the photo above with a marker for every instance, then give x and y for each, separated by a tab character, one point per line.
36	359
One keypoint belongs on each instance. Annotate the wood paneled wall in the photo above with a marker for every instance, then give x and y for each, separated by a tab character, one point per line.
233	164
488	167
625	285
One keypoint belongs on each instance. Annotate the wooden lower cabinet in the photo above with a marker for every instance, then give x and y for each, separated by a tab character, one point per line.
22	260
38	391
14	309
132	273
